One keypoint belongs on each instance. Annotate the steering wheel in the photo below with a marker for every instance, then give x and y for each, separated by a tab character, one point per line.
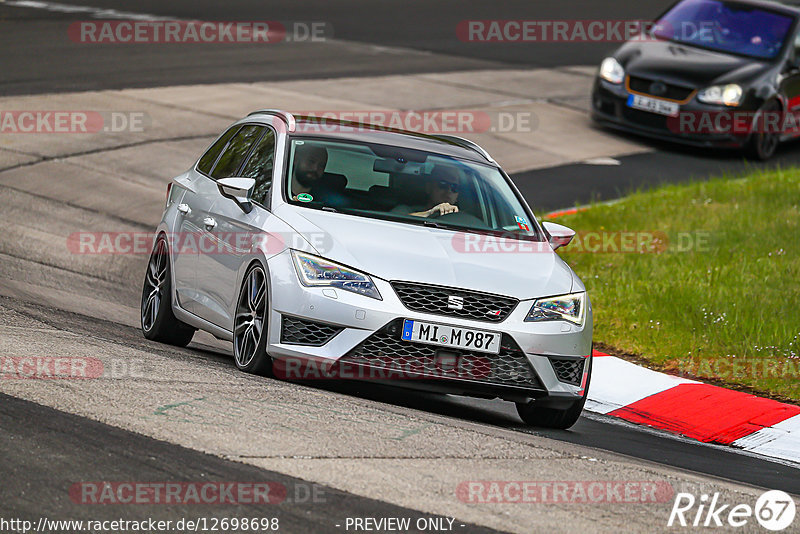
461	217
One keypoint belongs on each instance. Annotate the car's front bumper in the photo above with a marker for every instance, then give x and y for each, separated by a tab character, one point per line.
367	335
610	108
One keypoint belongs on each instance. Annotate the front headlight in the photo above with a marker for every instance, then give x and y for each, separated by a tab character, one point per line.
611	70
564	307
726	95
319	272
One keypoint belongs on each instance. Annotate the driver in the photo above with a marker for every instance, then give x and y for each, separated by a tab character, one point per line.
441	191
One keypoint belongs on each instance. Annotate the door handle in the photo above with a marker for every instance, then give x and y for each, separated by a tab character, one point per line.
184	208
210	223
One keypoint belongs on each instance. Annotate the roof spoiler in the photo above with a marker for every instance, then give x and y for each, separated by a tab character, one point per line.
466	143
285	116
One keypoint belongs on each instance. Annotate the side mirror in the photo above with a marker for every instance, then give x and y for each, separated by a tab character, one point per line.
794	62
238	190
560	235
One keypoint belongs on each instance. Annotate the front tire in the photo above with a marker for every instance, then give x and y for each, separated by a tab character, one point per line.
558	418
250	324
158	321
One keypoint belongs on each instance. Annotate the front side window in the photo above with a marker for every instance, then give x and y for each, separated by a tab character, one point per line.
259	166
404	185
238	148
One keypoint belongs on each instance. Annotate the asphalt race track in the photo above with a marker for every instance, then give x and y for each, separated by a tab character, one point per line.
162	414
51	63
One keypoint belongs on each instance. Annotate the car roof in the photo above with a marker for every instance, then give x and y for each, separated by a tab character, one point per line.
343	130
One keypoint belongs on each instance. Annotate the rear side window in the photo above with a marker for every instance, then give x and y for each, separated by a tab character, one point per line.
234	154
260	166
208	159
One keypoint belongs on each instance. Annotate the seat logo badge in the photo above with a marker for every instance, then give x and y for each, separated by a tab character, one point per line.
455	303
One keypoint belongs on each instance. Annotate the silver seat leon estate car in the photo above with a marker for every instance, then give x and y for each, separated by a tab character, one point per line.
330	249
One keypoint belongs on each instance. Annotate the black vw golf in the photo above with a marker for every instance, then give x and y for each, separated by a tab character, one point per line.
709	73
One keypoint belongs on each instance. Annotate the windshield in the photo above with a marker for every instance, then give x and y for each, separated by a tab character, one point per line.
726	27
404	185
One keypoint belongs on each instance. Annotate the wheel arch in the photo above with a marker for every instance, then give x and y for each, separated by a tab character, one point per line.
771	96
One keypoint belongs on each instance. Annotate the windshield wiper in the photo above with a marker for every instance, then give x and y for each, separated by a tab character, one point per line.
455	227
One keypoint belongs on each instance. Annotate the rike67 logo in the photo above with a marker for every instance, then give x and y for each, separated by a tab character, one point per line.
774	510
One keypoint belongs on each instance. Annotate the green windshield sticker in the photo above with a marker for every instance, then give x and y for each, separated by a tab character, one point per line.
304	197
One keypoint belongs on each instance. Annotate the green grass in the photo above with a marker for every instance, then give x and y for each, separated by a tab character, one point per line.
721	301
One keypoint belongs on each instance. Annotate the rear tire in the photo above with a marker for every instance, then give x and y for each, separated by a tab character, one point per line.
158	321
762	144
558	418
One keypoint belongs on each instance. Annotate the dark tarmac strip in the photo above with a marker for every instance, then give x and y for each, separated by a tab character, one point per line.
45	452
556	188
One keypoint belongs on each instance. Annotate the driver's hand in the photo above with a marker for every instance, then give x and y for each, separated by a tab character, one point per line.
442	209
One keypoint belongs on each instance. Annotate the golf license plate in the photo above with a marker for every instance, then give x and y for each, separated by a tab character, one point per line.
451	336
653	105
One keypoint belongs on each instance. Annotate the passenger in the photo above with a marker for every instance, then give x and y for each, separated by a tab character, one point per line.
309	166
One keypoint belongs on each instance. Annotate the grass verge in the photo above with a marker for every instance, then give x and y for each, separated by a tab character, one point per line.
701	280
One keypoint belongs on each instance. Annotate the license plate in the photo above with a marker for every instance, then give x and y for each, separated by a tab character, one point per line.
451	336
653	105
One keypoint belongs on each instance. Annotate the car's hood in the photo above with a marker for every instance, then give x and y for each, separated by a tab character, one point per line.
685	65
398	251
